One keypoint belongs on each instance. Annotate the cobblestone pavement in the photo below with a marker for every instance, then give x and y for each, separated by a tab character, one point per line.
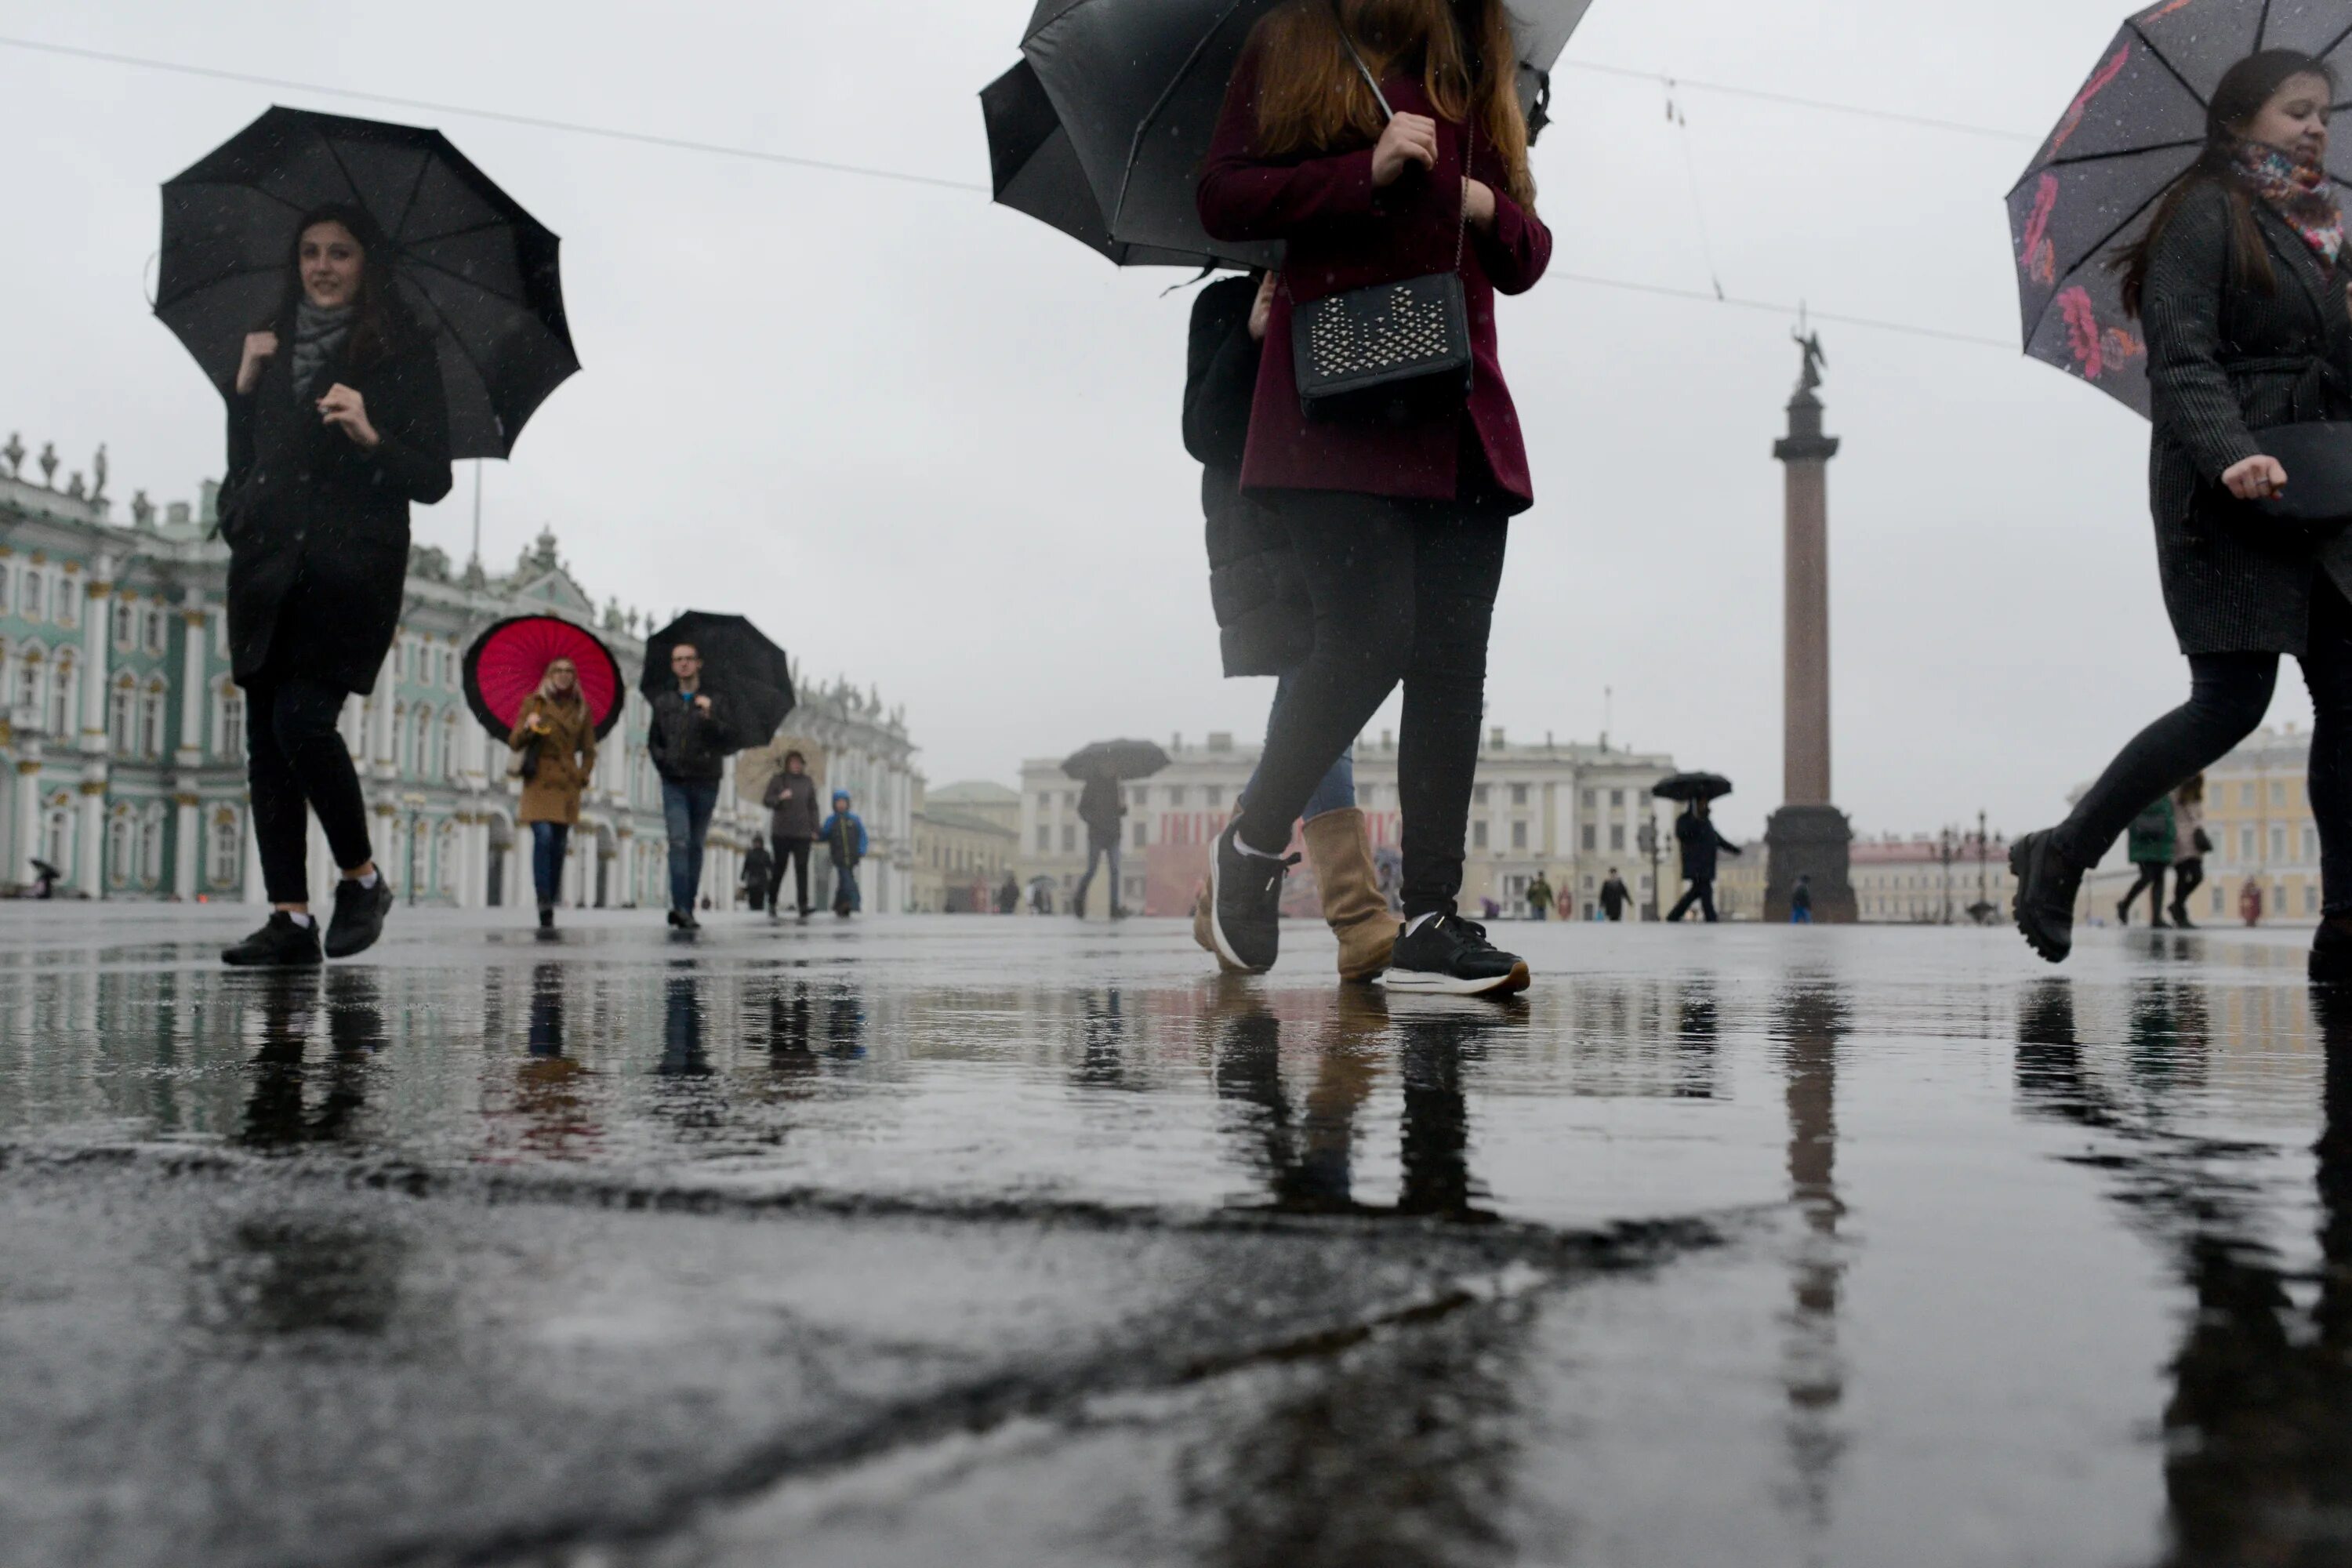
976	1241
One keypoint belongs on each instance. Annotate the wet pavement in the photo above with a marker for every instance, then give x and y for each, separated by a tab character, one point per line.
978	1241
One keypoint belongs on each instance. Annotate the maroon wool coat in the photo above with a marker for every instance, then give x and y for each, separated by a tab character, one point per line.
1343	234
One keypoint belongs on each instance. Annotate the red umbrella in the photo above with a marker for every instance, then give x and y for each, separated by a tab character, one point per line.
507	663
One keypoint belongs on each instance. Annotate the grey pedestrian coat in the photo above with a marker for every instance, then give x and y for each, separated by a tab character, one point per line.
2225	362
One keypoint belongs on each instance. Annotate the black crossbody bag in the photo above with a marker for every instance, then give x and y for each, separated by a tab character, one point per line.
1399	348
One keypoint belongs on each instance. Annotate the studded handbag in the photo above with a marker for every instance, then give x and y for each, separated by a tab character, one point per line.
1398	349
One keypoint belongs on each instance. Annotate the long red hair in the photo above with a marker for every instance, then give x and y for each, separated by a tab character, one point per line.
1311	98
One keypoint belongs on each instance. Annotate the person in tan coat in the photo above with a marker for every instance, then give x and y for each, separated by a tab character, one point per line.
554	742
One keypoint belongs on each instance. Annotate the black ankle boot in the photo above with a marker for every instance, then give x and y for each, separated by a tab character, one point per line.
2331	951
2047	883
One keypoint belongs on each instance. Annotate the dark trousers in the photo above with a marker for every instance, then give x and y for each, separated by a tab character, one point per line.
296	762
685	817
795	852
549	841
2228	693
1099	850
1403	591
2152	881
1703	894
2186	877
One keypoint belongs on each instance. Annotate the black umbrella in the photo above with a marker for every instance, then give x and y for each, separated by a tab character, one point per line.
2135	126
1036	172
739	664
1120	759
1137	86
1692	787
470	265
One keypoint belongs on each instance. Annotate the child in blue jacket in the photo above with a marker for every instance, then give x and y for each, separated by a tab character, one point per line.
844	831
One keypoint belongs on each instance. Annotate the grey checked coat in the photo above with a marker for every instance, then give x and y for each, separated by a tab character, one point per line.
2227	361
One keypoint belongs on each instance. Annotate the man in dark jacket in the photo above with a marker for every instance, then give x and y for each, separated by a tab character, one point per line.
1102	807
793	824
1694	831
1614	896
690	741
759	874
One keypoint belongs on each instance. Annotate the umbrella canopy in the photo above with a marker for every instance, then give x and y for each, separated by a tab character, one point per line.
739	664
1120	759
507	663
2137	125
1692	787
1036	172
469	264
1136	87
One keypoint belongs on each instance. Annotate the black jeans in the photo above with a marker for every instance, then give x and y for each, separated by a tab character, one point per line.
2186	877
1701	894
1403	591
795	852
296	760
2228	693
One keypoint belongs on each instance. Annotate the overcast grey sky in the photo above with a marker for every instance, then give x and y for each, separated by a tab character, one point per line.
933	444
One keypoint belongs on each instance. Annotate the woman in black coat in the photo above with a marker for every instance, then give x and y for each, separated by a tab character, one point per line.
336	424
2241	284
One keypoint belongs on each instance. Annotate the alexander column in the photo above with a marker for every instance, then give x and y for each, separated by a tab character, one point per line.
1807	835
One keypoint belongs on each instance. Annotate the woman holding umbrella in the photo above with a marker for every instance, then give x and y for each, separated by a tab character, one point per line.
1397	517
336	426
555	738
2239	282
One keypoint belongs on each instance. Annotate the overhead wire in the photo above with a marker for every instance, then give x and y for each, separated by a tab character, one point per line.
904	177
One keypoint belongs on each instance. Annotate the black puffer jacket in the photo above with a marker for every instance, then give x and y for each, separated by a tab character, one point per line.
689	746
1265	623
316	525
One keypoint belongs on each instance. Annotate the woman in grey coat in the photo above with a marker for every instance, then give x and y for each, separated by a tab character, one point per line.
2241	284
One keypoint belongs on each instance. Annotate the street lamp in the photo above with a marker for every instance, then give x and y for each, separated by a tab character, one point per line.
1647	838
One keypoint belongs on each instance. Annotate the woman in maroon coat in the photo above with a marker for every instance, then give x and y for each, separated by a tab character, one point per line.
1399	519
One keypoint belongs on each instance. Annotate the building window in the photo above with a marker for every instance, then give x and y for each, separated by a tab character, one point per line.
63	690
1592	836
232	723
1616	836
227	850
1592	799
1518	836
1044	839
449	746
2246	794
1214	796
2246	843
5	582
118	849
69	602
151	847
1616	797
2310	843
1478	795
1518	795
119	703
155	632
121	627
2278	844
1143	836
28	681
2311	898
30	603
1070	840
151	721
1477	836
2278	792
1176	795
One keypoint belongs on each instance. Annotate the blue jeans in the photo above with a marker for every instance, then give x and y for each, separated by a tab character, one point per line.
1801	917
548	842
1338	790
846	895
1097	850
685	817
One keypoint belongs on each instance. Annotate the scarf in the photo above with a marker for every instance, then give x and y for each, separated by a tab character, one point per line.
319	336
2298	192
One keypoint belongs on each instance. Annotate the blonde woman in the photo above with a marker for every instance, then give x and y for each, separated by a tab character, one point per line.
554	741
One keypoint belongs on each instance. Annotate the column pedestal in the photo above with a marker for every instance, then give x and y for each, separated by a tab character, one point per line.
1815	841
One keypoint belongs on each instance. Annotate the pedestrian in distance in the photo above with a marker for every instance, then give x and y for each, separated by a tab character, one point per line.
337	425
1700	842
1008	896
554	747
2239	282
1539	898
692	734
2151	849
1265	622
1399	513
1102	807
1567	898
844	837
759	875
1801	901
2250	903
792	825
1614	896
2193	844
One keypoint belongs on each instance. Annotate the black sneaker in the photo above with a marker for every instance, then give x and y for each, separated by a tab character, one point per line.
280	944
547	917
1245	904
359	917
1451	957
676	919
2047	883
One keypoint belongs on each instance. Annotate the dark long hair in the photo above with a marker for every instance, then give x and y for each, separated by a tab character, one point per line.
1311	98
2245	88
383	325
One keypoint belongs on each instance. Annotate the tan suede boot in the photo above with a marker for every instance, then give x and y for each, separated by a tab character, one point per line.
1340	850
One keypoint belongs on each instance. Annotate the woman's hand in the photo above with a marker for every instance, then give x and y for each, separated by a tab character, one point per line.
1410	138
1262	310
347	411
258	348
2256	479
539	724
1478	204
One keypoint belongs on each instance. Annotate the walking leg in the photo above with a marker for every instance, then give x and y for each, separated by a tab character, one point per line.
2228	694
1457	571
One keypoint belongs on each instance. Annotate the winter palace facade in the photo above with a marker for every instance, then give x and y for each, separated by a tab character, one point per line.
122	737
